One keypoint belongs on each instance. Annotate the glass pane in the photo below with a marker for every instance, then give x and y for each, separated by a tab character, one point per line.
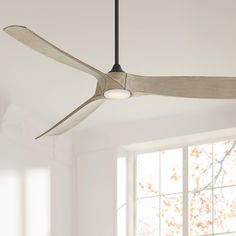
225	210
148	217
200	210
37	202
171	171
121	182
10	203
171	215
148	174
200	167
121	222
225	163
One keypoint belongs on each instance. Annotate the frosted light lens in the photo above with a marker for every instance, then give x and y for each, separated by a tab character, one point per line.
117	94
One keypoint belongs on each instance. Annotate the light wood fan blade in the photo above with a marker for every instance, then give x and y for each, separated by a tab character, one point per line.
34	41
75	117
184	86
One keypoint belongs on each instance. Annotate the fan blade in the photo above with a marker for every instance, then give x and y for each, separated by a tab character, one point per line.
184	86
75	117
32	40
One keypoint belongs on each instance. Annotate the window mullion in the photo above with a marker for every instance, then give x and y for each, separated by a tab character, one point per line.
185	193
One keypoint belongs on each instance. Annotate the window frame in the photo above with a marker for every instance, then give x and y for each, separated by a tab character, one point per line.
131	175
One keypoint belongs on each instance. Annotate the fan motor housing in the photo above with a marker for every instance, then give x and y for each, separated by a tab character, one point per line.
119	77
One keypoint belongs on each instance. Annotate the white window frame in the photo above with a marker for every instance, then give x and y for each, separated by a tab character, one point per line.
131	154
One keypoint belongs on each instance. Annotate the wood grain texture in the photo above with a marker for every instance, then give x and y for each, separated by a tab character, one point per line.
75	117
37	43
184	86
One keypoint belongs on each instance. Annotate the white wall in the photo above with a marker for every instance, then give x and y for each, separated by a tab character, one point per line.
96	151
18	148
96	193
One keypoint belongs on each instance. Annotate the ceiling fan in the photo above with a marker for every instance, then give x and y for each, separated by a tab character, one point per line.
118	84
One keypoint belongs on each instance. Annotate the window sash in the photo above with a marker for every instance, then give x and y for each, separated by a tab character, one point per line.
132	187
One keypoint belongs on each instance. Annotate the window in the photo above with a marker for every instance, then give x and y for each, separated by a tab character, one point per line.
187	191
25	201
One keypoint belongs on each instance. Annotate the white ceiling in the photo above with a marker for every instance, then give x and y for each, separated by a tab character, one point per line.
158	37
